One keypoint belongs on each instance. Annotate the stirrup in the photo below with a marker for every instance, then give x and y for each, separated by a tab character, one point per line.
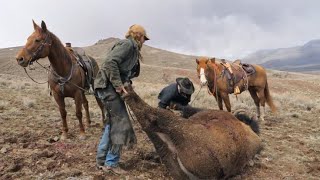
236	90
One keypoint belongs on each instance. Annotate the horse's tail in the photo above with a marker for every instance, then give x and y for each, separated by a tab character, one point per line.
249	121
269	98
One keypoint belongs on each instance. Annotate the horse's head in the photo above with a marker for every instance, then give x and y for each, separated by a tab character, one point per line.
37	46
201	68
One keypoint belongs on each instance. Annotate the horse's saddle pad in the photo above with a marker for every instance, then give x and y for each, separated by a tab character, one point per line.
85	62
240	71
248	68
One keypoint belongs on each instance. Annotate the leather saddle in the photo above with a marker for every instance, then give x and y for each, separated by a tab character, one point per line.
248	68
240	72
85	62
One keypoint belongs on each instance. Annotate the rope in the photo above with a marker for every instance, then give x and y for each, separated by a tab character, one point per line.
62	79
247	85
33	79
196	95
67	81
130	114
215	86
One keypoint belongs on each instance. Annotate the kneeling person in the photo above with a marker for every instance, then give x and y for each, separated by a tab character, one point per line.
178	93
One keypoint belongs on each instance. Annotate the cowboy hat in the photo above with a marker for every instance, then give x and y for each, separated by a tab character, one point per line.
186	86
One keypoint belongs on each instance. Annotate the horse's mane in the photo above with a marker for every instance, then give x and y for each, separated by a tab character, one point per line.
214	66
60	50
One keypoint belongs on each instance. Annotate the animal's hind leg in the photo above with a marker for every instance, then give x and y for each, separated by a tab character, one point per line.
78	101
226	100
262	99
256	100
219	101
86	108
63	114
102	111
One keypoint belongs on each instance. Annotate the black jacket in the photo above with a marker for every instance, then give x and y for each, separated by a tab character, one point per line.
170	94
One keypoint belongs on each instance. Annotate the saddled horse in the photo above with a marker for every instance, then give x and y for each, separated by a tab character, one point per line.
214	74
67	78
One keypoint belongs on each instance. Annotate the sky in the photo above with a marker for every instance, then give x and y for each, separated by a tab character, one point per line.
218	28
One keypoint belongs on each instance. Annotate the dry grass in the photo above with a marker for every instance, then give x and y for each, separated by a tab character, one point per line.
290	100
291	137
3	104
28	102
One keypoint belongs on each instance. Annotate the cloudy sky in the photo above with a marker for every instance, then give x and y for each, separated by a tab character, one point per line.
219	28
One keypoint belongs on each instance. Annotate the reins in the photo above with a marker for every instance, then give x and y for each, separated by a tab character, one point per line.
65	80
215	86
39	49
247	85
61	80
196	95
129	112
34	58
33	79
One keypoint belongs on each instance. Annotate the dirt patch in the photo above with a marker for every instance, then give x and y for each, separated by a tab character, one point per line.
30	147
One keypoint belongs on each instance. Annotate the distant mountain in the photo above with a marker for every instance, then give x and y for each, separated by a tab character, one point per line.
151	56
158	66
161	66
300	58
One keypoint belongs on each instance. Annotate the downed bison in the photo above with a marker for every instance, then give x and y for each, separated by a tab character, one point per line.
209	145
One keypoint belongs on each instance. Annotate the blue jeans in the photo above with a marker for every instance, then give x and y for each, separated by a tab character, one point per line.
104	155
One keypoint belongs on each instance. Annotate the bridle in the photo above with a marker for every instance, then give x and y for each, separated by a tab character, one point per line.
215	86
205	73
60	79
39	49
34	57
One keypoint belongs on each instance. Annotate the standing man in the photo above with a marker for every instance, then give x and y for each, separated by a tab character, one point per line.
119	67
178	93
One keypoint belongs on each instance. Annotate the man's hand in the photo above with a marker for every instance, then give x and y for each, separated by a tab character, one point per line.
121	90
176	106
173	106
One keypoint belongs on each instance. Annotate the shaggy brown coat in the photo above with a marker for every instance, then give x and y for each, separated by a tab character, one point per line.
209	145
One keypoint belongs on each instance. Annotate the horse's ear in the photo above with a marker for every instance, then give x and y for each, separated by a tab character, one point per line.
35	25
197	61
43	26
213	60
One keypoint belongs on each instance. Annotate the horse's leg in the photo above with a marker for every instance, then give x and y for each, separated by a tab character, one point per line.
256	100
102	111
63	114
226	100
86	108
262	100
78	101
219	101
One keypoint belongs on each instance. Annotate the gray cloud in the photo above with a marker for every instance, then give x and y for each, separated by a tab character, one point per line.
224	28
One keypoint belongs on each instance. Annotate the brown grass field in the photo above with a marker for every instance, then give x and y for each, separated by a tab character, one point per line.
30	124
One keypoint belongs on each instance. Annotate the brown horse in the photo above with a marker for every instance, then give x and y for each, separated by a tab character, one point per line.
212	74
66	78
